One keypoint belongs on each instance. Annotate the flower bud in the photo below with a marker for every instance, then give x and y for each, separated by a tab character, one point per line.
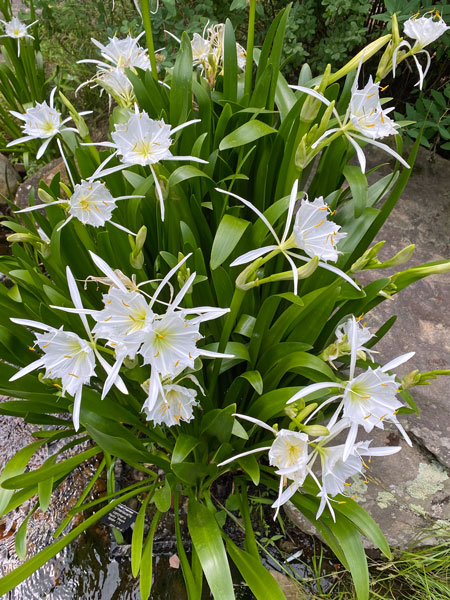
301	155
369	257
365	54
315	430
398	259
44	196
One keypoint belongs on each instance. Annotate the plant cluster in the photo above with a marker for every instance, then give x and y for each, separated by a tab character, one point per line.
188	293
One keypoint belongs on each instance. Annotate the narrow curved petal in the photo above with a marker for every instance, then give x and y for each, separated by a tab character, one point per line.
31	367
30	323
384	147
21	140
191	158
359	153
76	409
254	209
397	361
181	294
76	299
43	148
106	270
350	441
112	376
167	277
39	206
256	422
230	460
324	135
122	228
183	125
252	255
158	192
294	272
292	201
314	387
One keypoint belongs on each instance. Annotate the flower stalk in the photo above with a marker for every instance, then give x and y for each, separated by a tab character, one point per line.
145	9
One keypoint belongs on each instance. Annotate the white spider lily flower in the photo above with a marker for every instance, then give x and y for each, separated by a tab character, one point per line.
336	470
124	318
377	124
91	203
241	56
124	53
66	357
142	141
17	30
312	233
166	342
367	115
425	30
288	453
117	85
42	121
201	49
171	404
367	400
351	332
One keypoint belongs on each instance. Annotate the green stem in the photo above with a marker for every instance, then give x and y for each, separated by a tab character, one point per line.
145	9
250	43
250	541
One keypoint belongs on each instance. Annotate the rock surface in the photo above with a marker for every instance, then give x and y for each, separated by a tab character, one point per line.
31	185
9	178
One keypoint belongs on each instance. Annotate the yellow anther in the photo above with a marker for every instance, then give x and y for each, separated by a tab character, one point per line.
345	483
31	348
156	355
319	224
368	416
364	464
73	375
371	125
384	88
109	318
46	345
176	364
125	304
371	95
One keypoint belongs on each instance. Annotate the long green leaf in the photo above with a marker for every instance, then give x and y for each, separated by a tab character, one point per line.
249	132
258	579
230	231
207	539
138	537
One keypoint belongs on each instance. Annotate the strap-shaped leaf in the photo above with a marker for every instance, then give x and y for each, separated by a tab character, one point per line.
230	231
258	579
207	539
249	132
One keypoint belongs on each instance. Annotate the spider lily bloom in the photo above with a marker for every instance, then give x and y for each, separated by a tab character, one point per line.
367	115
123	53
352	331
142	141
336	471
424	31
66	357
364	116
288	453
117	85
201	49
17	30
173	403
312	233
91	203
42	121
166	342
367	400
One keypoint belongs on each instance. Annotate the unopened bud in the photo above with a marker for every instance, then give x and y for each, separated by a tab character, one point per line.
369	257
364	55
324	81
310	109
315	430
398	259
308	269
44	196
324	121
301	155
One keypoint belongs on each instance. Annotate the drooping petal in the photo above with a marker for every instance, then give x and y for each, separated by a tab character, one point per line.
397	361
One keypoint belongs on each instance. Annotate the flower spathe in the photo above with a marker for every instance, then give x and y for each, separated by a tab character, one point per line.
143	141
